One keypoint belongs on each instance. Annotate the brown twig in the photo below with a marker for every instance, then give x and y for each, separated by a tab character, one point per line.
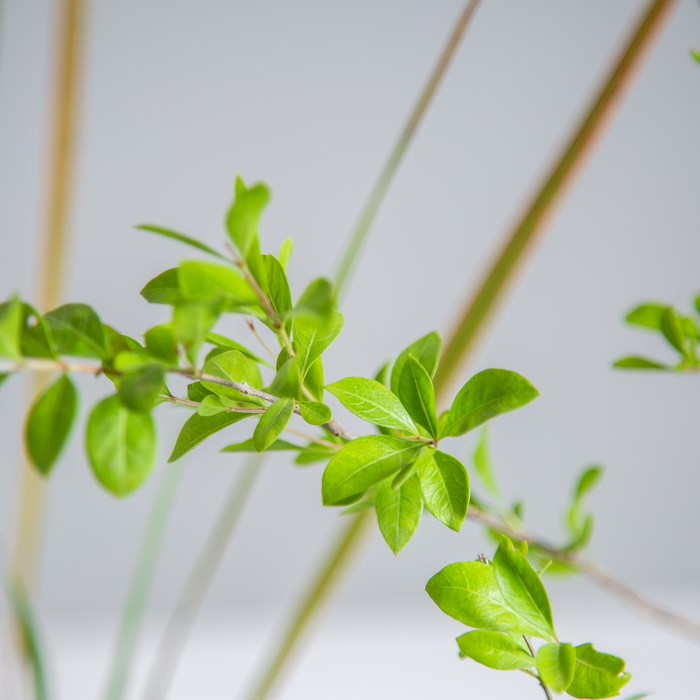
532	651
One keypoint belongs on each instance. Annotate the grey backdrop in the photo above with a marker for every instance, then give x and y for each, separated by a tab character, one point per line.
179	96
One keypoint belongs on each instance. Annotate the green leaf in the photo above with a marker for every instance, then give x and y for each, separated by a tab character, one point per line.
287	381
224	343
314	380
169	233
696	55
49	423
382	375
672	329
244	215
372	402
407	472
486	395
399	512
276	446
494	650
192	322
363	463
233	366
597	675
314	412
697	303
426	350
141	389
468	592
198	428
313	453
11	317
162	345
164	289
277	285
523	588
285	253
201	281
556	664
640	363
445	486
272	423
77	330
121	445
417	395
315	306
647	315
311	342
197	392
484	465
587	481
211	405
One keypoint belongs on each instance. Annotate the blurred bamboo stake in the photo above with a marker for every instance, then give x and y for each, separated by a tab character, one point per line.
141	580
183	616
385	177
54	245
521	241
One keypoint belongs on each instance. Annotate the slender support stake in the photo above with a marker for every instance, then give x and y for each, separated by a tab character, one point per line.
335	566
185	612
522	239
141	582
385	177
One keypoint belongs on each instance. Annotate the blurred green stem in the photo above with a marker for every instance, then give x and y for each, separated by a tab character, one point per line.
141	581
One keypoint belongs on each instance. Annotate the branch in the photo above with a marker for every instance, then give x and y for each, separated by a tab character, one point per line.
532	652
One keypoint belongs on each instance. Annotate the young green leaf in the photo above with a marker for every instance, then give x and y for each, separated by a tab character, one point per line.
192	322
140	390
77	330
363	463
647	315
201	281
315	413
11	317
224	343
314	380
187	240
523	588
372	402
313	453
640	363
556	664
198	428
445	486
235	367
399	512
287	381
672	329
162	345
311	342
484	465
277	285
164	289
426	350
211	405
272	423
315	305
244	215
276	446
382	375
486	395
121	445
49	423
495	650
597	675
285	253
36	340
406	472
417	395
468	592
196	391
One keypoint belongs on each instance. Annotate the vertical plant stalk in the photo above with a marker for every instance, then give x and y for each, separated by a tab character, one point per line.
54	243
522	239
385	177
185	612
324	584
141	581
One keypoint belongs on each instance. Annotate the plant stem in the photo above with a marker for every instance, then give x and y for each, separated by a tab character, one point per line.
387	173
521	240
141	582
185	612
532	651
323	585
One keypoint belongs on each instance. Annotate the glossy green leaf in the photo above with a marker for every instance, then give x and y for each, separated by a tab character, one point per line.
11	317
314	380
121	446
49	423
164	289
633	362
198	428
426	350
187	240
486	395
192	322
468	592
314	412
672	329
371	401
244	215
399	512
287	381
363	463
494	650
597	675
272	423
285	253
484	465
523	588
233	366
141	389
647	316
556	664
224	343
277	285
311	342
417	395
77	330
276	446
162	345
201	281
407	472
445	486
